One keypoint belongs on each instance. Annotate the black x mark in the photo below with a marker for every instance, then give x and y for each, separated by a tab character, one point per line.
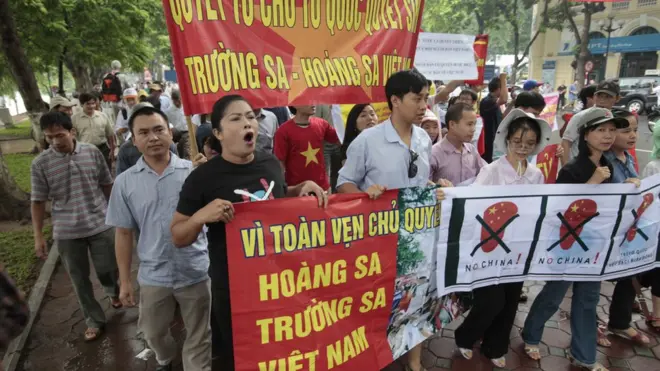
634	226
571	231
493	234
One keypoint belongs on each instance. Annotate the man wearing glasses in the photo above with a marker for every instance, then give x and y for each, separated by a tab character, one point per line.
394	154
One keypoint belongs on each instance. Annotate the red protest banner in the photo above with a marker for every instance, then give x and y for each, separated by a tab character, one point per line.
311	288
293	52
480	52
548	162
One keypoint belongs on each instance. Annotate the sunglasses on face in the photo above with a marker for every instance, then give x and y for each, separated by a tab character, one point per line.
412	167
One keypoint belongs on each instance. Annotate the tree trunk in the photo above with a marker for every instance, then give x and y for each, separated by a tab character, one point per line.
60	72
19	67
584	54
80	76
15	203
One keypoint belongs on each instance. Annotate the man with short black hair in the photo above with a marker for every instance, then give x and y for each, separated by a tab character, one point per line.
143	201
394	154
75	178
94	127
530	102
490	112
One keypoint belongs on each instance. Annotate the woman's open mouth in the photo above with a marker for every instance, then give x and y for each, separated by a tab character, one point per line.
249	138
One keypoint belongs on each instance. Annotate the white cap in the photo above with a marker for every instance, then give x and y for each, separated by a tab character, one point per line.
130	92
503	129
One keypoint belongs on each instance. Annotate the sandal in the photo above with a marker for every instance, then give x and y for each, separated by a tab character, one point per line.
602	339
116	303
499	362
653	323
638	338
533	352
466	353
92	334
595	367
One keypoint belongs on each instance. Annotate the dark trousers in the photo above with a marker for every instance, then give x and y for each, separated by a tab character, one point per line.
623	298
489	138
621	307
491	319
221	336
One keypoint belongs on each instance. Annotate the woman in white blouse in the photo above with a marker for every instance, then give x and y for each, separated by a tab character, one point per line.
519	136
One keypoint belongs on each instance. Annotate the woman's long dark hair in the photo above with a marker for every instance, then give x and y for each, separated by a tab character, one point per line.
351	127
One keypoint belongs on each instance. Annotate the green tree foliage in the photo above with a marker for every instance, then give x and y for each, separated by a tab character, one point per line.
507	22
86	35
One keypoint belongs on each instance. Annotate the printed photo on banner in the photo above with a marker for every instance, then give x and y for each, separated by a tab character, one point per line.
318	52
416	308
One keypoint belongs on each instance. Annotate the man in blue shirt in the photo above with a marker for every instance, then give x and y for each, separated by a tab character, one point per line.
394	154
144	199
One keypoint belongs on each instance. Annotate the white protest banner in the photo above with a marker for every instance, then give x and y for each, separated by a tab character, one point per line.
441	56
499	234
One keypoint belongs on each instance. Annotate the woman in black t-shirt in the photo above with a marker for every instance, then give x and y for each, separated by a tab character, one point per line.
597	131
207	196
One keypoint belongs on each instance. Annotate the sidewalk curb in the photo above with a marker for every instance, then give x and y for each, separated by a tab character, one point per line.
15	349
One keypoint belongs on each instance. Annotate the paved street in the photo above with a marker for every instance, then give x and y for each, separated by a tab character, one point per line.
55	343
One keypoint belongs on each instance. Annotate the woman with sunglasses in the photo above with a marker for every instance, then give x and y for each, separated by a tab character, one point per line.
519	136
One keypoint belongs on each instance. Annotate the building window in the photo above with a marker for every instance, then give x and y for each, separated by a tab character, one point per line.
646	30
596	35
642	3
620	5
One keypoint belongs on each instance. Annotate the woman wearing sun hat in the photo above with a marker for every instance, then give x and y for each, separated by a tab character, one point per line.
519	136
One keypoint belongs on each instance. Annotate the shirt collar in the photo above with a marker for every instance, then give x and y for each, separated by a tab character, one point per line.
513	173
175	163
612	157
448	147
82	113
392	136
76	150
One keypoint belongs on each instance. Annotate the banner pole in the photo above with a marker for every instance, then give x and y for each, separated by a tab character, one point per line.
192	137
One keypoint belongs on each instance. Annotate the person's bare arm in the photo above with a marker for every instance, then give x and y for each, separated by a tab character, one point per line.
566	145
348	188
504	92
185	229
443	95
124	253
111	145
38	209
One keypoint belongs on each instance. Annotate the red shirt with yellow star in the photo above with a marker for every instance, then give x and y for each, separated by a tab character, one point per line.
300	149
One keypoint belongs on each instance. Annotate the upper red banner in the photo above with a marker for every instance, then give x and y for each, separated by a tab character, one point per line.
290	52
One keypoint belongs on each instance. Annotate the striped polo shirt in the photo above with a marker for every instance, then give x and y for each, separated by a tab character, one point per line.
72	181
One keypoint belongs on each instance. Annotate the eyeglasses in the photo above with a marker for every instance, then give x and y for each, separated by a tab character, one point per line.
412	167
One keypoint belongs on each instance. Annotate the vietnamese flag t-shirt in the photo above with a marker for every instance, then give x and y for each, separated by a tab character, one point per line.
300	149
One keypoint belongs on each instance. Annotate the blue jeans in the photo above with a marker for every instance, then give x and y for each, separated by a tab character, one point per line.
583	316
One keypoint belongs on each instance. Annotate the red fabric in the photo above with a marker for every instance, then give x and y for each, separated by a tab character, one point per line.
301	150
633	153
481	144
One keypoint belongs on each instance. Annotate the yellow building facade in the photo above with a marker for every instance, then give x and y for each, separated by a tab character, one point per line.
633	47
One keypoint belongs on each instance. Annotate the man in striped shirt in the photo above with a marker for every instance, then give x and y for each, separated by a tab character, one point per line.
75	178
